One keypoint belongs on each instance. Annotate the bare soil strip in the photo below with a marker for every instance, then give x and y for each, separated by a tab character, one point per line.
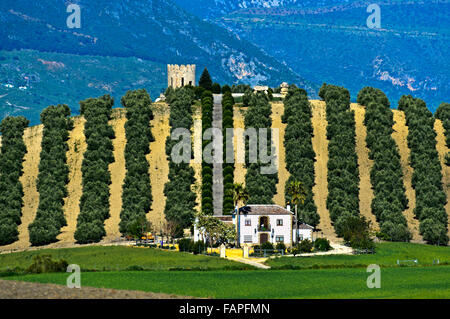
159	166
283	174
117	171
26	290
196	163
320	190
400	135
442	149
365	164
239	168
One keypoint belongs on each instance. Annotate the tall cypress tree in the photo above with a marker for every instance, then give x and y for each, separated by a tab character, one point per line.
205	80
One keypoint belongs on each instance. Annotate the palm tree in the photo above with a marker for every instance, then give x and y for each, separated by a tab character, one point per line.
240	194
298	194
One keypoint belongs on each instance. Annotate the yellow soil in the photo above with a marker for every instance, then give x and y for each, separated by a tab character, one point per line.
159	166
320	146
32	137
366	194
400	135
196	163
442	149
283	174
239	167
117	171
75	154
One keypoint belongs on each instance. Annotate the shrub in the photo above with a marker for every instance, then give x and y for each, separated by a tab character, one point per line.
185	244
216	88
305	246
280	246
322	244
44	264
267	245
198	247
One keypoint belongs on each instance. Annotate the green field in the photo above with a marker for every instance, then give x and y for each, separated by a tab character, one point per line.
115	258
386	255
414	282
172	272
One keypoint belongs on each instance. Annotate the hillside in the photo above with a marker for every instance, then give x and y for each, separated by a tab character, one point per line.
159	169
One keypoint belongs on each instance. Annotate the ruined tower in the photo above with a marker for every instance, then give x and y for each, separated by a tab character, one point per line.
180	75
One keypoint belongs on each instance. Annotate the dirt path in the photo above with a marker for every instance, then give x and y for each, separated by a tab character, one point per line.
75	155
283	174
366	194
320	189
239	170
159	166
26	290
32	137
217	188
442	149
117	171
400	135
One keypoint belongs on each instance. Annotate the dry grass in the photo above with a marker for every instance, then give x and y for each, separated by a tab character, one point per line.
117	171
196	163
400	136
239	169
75	154
366	194
442	149
320	146
283	174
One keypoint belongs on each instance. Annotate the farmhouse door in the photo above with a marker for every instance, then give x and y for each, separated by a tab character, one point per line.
263	238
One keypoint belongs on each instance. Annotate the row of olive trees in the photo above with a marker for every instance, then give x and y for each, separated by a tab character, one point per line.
300	155
180	198
386	175
94	202
53	176
427	176
261	187
136	188
228	168
343	174
13	150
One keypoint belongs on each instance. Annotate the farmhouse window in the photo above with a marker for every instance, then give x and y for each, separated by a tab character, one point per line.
248	222
279	222
279	239
248	238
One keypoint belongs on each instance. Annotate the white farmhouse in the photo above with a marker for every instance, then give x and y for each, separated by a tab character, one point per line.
257	224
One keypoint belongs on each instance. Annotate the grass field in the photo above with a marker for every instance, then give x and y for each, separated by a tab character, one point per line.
412	282
386	255
115	258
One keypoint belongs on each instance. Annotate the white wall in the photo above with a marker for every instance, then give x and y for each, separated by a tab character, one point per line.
285	230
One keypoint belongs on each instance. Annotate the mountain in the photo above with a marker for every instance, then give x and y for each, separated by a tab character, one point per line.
329	41
156	31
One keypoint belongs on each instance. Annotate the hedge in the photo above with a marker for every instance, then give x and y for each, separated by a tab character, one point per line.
228	168
207	168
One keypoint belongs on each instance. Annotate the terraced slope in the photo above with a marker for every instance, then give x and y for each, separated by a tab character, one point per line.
400	136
